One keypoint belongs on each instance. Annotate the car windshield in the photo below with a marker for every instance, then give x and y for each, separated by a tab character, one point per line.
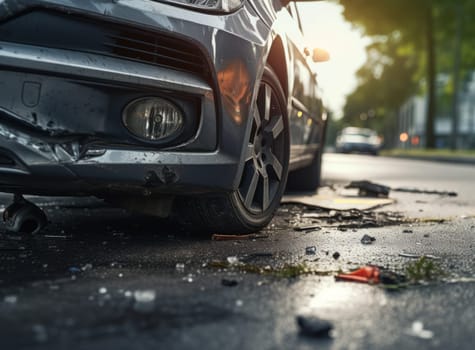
358	132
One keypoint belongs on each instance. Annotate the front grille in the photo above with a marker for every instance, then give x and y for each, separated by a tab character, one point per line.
72	32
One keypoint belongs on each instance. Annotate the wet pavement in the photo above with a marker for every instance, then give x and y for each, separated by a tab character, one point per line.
100	277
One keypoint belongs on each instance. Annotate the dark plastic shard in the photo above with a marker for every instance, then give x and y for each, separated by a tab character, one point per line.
314	326
369	189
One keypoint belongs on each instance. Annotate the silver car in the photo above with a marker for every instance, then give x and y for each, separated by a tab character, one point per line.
362	140
200	110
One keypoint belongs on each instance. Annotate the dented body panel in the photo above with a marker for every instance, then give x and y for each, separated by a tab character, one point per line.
69	67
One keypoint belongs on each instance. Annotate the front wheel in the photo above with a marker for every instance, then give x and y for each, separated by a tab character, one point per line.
265	169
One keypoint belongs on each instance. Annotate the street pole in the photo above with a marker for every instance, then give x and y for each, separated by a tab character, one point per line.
431	72
456	76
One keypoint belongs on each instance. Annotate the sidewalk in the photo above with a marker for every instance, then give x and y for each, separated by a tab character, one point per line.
443	155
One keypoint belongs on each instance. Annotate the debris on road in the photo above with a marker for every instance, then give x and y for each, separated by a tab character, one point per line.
417	330
232	260
314	326
415	190
355	219
336	255
367	239
407	231
365	274
312	250
369	189
219	237
372	275
281	271
307	228
418	256
57	236
330	200
180	267
229	283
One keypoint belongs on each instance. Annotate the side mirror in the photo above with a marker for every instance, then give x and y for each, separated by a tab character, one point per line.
320	55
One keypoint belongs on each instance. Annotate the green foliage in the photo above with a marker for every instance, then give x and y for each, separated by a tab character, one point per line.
423	270
397	65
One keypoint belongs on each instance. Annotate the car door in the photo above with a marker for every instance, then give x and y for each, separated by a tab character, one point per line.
306	106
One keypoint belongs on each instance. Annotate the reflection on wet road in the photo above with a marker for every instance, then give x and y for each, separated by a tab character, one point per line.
100	277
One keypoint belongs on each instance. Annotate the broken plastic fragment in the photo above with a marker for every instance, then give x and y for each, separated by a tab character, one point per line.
365	274
312	250
417	330
180	267
369	189
367	239
417	256
218	237
307	228
229	283
314	326
373	275
86	267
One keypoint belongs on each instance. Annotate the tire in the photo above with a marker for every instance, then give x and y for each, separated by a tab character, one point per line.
252	206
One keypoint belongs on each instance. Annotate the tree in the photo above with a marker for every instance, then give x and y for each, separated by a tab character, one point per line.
405	30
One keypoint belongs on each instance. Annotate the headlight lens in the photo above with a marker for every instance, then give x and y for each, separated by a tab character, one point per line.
153	118
210	5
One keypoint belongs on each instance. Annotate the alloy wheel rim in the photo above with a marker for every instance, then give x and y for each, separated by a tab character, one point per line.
265	158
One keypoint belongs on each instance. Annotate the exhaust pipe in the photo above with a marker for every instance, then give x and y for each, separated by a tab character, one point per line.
24	217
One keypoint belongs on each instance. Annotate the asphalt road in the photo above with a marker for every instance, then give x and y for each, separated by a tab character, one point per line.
100	277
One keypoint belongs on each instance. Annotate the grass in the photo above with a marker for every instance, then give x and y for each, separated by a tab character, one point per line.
424	270
417	152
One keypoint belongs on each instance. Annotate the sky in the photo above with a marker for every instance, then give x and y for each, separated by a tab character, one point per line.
325	27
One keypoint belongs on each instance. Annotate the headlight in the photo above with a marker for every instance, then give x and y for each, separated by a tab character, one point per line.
210	5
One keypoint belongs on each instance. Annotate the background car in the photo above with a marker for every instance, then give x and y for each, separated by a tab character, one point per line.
195	110
353	139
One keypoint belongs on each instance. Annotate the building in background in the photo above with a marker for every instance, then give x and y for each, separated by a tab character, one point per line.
412	118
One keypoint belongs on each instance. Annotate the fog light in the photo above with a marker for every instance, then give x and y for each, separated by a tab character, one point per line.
153	118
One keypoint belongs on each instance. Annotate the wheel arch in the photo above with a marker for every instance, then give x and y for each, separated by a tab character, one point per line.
277	59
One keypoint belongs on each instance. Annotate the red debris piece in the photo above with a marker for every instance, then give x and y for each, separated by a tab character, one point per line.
365	274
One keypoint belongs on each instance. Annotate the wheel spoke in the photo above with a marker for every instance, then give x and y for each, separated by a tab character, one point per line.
265	192
249	152
257	118
251	191
276	126
276	165
268	96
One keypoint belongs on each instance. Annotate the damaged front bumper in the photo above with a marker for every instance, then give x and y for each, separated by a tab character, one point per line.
62	97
